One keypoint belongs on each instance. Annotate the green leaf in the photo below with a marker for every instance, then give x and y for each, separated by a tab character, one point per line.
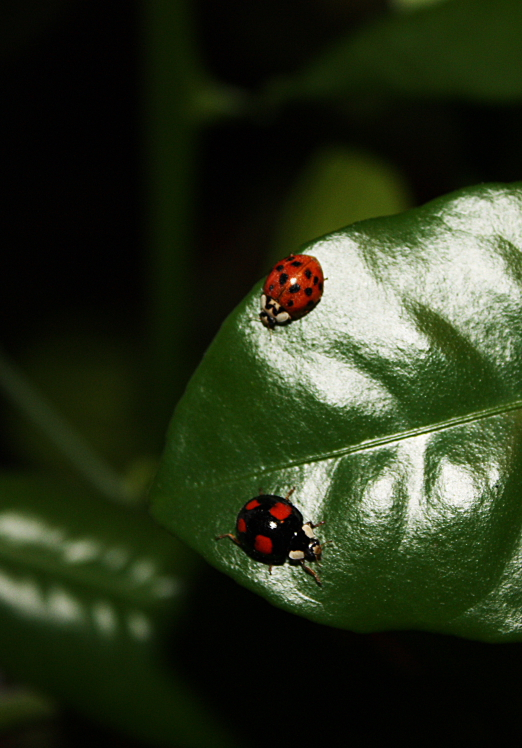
467	49
87	591
393	408
404	5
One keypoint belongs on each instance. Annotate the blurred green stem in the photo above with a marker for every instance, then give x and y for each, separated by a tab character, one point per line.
20	706
24	396
173	81
179	99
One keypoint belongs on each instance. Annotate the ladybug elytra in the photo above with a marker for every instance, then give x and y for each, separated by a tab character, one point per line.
270	529
292	289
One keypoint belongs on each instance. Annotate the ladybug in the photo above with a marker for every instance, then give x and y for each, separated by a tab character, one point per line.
270	529
293	288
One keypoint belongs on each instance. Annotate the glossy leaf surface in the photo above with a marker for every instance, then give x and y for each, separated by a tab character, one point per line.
393	408
86	592
468	49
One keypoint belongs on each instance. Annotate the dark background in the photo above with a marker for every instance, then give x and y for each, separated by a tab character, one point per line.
72	135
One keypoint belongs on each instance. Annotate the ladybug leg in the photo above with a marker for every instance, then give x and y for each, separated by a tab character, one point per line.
290	493
316	525
270	569
229	535
312	573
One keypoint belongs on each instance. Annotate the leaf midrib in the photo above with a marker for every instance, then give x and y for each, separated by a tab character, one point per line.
372	443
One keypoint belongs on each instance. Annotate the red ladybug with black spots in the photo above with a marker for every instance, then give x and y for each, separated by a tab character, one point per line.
293	288
270	529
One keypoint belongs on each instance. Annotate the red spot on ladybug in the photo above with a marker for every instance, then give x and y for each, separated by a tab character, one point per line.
241	525
270	529
263	545
292	289
280	510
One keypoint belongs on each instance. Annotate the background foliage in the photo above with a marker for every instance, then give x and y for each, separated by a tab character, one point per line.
159	156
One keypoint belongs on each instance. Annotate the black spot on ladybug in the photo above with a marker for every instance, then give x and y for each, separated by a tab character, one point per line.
296	263
290	303
308	291
295	288
283	278
271	288
308	273
311	304
280	267
316	280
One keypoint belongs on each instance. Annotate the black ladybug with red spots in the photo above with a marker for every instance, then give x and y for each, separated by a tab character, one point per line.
270	529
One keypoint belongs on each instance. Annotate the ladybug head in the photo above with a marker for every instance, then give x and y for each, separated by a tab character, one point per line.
305	545
272	313
314	550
